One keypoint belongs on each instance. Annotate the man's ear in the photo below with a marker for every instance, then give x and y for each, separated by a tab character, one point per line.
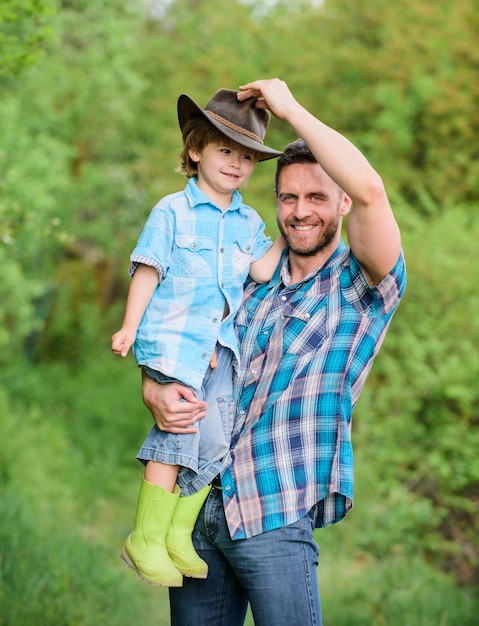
346	204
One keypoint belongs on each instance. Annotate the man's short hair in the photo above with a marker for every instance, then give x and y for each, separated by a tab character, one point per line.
295	152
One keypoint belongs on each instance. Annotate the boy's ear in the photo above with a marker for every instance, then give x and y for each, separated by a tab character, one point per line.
194	155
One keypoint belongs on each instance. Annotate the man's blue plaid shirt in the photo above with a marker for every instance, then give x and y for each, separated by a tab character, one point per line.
306	350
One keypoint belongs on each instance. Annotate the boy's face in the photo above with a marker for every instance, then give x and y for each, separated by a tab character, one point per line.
223	168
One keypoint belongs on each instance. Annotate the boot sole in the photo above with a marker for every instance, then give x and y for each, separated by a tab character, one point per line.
150	581
199	576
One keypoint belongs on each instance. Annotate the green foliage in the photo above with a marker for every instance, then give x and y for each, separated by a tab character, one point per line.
424	385
60	533
67	494
92	140
392	591
89	142
32	176
66	171
399	78
17	314
25	27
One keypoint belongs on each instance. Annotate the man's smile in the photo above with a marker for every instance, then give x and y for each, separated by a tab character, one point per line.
303	226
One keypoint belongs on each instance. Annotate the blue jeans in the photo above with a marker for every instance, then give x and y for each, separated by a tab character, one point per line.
275	572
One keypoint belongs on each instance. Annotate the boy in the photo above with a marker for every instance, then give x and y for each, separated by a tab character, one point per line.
188	271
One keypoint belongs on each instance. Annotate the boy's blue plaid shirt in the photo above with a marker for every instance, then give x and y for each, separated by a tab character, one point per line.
305	353
202	256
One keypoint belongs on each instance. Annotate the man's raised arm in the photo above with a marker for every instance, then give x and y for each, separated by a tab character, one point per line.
373	233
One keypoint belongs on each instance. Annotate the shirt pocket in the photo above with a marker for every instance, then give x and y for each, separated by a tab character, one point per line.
193	256
242	318
305	326
242	257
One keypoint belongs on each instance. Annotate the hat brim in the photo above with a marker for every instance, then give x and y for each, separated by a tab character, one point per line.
189	109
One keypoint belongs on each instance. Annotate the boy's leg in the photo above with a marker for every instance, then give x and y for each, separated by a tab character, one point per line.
179	538
168	448
145	548
161	474
214	431
215	428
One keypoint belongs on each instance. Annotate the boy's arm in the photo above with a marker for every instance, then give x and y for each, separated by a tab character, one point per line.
142	287
263	269
373	233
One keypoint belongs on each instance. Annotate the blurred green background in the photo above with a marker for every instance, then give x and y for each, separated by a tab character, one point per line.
89	142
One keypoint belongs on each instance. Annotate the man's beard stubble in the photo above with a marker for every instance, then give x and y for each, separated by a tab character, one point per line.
324	238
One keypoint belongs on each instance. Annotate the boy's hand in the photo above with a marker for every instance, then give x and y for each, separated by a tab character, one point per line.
121	342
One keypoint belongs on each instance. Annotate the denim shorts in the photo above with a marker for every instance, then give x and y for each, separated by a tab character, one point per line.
199	454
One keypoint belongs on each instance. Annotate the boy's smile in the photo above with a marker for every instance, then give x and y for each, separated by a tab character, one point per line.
222	169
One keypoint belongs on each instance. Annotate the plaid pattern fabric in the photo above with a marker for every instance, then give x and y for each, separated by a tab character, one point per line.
306	350
202	256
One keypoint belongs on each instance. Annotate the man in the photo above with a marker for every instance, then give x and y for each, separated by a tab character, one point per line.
308	339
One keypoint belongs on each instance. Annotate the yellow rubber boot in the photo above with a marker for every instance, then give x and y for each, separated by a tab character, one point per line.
145	548
178	541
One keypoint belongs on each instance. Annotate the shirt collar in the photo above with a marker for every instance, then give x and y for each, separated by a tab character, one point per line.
282	272
196	196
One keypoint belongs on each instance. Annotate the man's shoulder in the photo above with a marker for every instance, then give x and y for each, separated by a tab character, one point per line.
378	299
350	262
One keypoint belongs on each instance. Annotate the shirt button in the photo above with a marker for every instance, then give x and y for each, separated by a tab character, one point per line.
254	371
227	488
215	320
283	298
203	356
222	250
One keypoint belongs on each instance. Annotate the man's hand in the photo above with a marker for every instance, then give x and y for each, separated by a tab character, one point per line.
174	407
373	233
272	94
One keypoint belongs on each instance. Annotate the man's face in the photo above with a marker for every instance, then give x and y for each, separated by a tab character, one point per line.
310	209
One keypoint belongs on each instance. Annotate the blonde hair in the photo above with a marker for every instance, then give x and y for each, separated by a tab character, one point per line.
197	134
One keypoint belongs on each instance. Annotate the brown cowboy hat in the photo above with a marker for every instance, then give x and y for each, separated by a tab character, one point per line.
240	121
